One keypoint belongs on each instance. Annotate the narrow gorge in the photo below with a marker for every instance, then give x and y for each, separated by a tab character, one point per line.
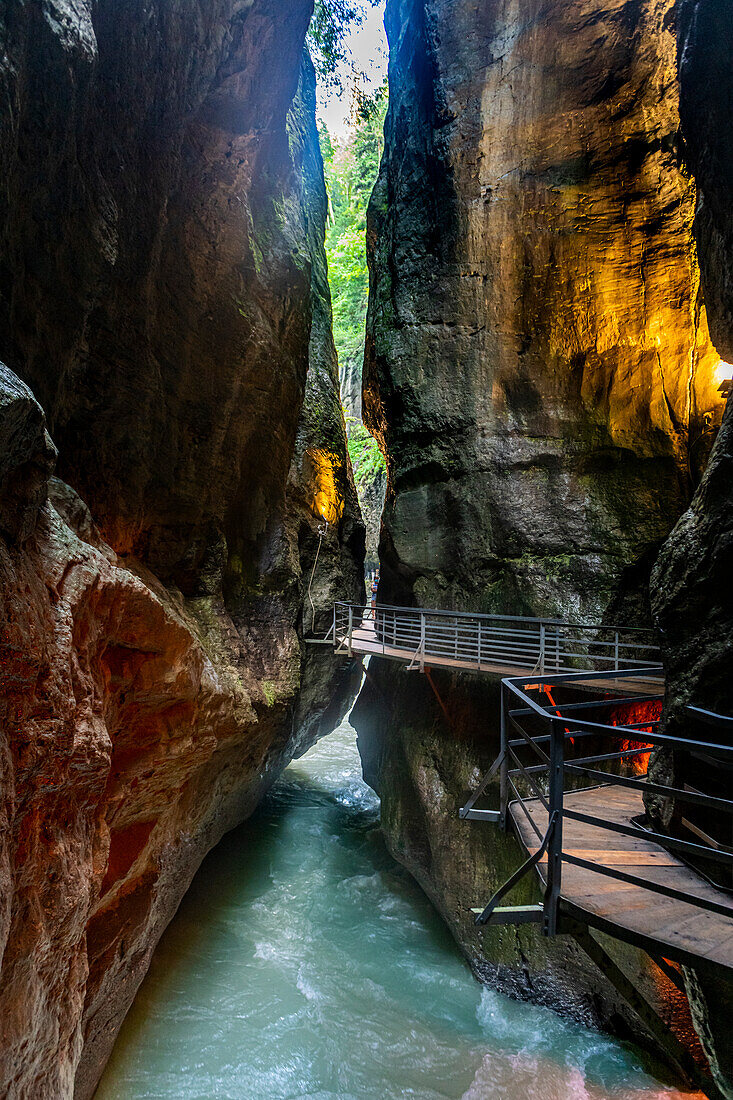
549	321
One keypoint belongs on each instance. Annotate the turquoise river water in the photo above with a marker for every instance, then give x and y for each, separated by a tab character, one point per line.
304	962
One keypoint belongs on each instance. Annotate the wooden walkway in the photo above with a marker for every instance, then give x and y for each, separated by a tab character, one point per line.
673	929
364	640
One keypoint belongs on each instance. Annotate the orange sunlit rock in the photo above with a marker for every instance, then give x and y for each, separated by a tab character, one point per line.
320	471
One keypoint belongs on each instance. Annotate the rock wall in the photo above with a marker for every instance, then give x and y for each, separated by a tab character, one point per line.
350	380
705	33
156	276
371	501
691	590
538	361
162	290
541	374
371	483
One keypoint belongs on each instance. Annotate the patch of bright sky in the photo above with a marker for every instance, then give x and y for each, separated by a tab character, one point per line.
367	47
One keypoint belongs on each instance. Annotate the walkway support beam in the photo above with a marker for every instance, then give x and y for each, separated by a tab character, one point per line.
554	860
504	767
667	1041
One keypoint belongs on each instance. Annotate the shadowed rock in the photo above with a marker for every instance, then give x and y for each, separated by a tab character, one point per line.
27	457
162	288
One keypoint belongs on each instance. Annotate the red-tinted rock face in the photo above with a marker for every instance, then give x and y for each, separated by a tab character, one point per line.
162	287
111	715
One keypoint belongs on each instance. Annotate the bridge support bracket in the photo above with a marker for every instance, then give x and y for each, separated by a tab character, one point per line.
492	816
514	914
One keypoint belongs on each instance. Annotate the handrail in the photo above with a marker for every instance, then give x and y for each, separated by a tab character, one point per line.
559	730
654	887
680	795
483	642
505	618
711	717
661	739
594	704
513	683
664	841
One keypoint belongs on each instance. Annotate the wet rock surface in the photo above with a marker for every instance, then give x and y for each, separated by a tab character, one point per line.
163	293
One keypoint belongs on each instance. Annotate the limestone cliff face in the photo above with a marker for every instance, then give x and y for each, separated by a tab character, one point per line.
156	277
538	360
371	501
162	290
539	368
370	484
123	755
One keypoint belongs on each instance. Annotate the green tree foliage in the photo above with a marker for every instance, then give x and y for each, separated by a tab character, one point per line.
327	36
351	170
367	460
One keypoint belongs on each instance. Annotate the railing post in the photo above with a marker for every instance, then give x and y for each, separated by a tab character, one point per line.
422	641
554	851
615	652
543	639
335	639
351	628
478	627
557	648
504	766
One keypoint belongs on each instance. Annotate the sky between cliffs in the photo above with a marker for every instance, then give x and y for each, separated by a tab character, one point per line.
367	62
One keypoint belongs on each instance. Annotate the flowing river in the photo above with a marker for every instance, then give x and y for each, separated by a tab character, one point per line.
304	962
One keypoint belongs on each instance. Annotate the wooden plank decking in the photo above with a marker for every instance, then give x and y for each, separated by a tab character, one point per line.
675	929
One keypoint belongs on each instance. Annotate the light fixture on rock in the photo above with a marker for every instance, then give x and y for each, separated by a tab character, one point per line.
724	378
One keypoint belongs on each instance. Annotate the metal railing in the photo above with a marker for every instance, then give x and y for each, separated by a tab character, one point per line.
555	734
480	642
